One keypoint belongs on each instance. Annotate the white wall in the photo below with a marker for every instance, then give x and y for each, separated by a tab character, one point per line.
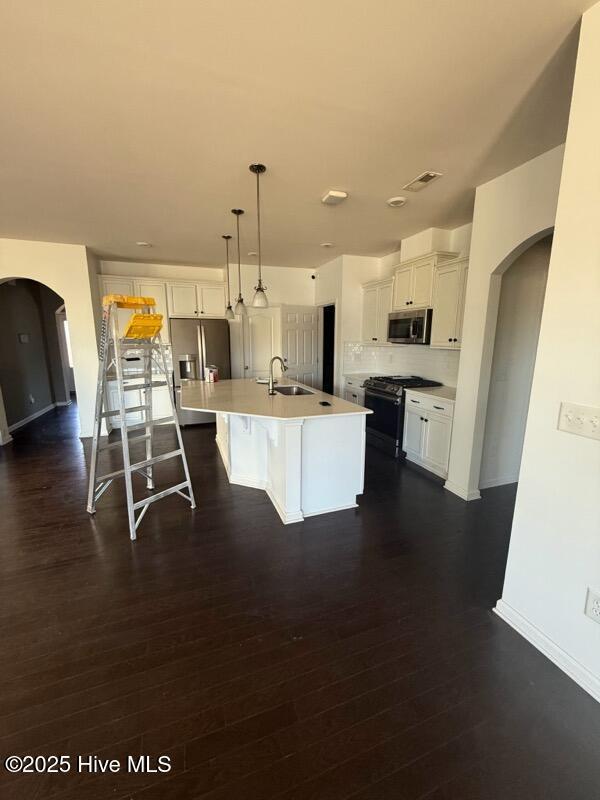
328	290
511	213
340	282
64	268
284	284
555	542
517	331
170	271
439	365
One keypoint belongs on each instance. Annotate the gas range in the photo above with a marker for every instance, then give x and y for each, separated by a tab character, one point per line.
384	395
394	385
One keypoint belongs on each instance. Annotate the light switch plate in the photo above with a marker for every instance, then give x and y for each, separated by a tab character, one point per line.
581	420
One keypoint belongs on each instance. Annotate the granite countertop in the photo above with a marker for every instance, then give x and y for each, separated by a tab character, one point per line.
361	376
443	392
245	397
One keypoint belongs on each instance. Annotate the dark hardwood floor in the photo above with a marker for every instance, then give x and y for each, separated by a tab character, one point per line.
354	655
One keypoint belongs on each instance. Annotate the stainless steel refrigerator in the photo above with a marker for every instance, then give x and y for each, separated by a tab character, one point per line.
196	345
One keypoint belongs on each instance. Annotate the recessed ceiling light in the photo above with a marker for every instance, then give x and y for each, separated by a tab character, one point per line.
421	181
396	202
252	253
143	244
334	197
327	244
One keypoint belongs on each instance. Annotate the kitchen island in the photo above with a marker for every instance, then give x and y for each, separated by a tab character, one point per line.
307	451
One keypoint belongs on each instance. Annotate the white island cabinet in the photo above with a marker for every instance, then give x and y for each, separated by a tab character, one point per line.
308	457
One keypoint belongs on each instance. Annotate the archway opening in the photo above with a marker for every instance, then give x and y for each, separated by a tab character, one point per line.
36	366
518	323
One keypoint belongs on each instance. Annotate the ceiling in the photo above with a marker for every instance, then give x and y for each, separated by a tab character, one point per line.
127	121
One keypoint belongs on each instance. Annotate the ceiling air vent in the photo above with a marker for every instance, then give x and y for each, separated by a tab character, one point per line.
421	181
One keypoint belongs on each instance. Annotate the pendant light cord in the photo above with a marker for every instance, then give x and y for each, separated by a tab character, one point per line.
228	289
237	222
258	221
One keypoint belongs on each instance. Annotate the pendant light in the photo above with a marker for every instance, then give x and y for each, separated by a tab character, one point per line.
240	308
229	311
260	297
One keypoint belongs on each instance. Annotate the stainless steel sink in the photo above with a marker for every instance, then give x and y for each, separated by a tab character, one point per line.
292	390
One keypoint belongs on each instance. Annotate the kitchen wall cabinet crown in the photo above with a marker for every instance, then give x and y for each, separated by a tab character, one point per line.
377	304
413	280
449	287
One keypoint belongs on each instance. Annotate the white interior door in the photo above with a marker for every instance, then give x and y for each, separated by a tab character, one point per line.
299	341
261	342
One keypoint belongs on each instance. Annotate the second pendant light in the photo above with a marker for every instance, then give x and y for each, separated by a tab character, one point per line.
240	307
260	297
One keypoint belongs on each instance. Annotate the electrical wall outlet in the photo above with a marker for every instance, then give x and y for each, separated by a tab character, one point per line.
581	420
592	605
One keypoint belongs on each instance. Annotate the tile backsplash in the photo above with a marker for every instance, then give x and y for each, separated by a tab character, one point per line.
398	359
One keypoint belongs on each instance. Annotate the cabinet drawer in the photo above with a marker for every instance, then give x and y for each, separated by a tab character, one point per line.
427	403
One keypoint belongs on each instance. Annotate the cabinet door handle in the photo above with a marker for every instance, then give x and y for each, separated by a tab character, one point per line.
414	401
455	340
449	339
440	408
374	339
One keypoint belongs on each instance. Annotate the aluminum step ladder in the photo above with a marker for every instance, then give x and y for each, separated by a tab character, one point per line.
138	354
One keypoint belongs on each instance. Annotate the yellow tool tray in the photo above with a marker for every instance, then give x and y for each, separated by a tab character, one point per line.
143	326
128	301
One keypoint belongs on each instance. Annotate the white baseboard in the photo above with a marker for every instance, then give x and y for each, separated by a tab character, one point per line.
580	674
30	418
465	494
286	517
503	481
330	510
246	480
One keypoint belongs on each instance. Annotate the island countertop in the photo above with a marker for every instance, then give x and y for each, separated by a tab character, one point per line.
245	397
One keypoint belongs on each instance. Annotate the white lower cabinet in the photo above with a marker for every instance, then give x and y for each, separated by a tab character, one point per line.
161	404
353	391
428	431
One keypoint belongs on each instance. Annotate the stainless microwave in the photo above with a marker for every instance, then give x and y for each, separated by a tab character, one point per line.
410	327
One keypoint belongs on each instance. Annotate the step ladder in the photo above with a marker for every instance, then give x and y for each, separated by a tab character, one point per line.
138	354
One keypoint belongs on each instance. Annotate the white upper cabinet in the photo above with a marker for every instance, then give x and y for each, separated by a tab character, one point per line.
212	300
402	288
183	300
147	287
369	332
377	304
384	306
194	300
450	284
413	281
110	285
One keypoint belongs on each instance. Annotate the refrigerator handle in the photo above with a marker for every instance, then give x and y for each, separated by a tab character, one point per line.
202	351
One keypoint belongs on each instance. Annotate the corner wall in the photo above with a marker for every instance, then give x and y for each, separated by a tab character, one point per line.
64	269
512	212
555	542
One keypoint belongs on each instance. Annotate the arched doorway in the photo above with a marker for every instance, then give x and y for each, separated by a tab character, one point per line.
516	336
35	361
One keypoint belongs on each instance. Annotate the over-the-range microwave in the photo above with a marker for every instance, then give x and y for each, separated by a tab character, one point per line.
410	327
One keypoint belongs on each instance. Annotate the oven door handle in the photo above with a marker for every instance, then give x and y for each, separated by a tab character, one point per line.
381	396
